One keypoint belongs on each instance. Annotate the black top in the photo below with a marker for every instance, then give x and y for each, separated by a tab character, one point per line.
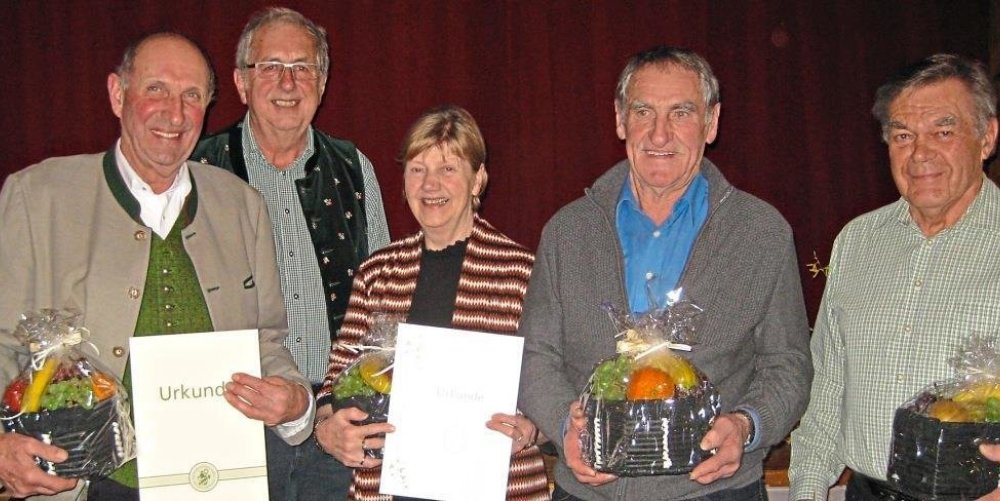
433	301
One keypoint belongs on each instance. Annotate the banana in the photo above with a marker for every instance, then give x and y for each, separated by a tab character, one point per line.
949	411
979	391
679	369
39	381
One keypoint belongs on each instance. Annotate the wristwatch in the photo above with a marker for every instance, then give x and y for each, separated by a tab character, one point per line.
753	429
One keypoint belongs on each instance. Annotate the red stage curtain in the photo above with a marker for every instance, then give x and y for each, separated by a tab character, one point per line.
797	83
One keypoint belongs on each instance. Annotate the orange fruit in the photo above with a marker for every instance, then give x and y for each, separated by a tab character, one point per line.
102	385
650	383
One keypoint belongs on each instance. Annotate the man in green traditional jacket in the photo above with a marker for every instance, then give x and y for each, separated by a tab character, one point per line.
143	242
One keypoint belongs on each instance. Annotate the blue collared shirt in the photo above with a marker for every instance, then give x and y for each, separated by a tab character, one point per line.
656	255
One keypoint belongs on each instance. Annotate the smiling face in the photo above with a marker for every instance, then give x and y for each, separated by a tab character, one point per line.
285	105
161	104
665	130
439	186
936	153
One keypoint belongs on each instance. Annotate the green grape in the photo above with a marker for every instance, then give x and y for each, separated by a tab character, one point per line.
67	393
610	378
992	410
350	384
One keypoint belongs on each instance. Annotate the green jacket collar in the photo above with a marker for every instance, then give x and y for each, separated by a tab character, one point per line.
128	202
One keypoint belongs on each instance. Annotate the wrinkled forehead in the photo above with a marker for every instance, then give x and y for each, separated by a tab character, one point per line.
171	58
665	78
944	97
281	37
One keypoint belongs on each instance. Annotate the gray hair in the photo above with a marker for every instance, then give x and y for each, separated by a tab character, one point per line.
282	15
934	69
127	65
664	55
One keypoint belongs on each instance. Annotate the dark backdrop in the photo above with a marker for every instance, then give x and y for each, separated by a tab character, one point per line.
797	84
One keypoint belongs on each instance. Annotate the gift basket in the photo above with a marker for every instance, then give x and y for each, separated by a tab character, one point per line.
936	434
366	383
647	407
66	398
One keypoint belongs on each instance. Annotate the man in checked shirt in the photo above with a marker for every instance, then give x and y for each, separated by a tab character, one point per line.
324	203
909	282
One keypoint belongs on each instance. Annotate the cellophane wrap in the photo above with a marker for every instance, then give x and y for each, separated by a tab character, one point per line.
648	407
936	434
366	383
66	398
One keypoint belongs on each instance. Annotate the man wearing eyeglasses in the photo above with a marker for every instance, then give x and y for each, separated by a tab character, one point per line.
324	203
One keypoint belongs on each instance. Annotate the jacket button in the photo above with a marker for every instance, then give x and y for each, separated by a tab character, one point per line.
133	293
118	351
140	235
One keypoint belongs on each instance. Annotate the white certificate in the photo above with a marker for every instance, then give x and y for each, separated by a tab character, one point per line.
446	384
190	443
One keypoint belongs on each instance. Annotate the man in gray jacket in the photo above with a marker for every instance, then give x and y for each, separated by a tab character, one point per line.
667	218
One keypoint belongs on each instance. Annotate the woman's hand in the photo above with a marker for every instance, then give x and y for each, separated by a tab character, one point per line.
347	442
520	429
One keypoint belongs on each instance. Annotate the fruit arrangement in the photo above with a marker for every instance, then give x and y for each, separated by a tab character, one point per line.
978	402
366	384
647	415
65	399
369	376
69	403
934	450
659	376
934	453
58	384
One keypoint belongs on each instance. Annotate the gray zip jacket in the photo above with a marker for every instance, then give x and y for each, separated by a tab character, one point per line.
753	337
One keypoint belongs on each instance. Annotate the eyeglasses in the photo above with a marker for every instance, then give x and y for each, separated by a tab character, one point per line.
273	70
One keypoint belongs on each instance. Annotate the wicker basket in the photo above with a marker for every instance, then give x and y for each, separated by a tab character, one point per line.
98	440
940	461
649	437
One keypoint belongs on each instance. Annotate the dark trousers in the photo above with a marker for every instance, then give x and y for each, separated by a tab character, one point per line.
755	491
294	473
106	489
862	488
304	472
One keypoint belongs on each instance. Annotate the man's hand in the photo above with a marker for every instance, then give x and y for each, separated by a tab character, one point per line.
727	436
991	452
273	400
340	438
571	450
18	472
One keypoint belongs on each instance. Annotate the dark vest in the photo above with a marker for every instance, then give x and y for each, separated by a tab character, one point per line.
332	199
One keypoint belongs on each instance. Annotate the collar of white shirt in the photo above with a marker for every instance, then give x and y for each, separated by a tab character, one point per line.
159	211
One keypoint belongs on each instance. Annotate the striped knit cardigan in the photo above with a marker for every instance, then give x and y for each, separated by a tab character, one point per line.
491	289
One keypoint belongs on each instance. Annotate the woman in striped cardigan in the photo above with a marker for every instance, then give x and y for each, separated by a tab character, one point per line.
457	271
